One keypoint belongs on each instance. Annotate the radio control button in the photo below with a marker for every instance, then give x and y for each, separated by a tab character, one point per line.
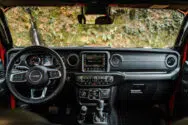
89	80
95	78
105	93
83	93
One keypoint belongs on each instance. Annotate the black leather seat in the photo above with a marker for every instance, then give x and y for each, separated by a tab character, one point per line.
21	117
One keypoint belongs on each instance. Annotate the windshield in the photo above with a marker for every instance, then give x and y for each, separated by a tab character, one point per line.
59	27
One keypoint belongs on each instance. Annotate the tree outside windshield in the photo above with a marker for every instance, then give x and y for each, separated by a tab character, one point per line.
59	27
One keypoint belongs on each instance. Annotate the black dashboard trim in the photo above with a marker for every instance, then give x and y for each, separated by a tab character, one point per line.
152	50
129	75
151	76
141	75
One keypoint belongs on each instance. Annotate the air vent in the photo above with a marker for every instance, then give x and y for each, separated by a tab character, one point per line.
171	61
73	60
116	60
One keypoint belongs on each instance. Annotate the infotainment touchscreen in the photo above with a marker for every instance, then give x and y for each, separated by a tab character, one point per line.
94	62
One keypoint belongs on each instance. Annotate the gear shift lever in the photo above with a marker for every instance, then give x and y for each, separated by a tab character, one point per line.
100	108
100	104
100	117
83	112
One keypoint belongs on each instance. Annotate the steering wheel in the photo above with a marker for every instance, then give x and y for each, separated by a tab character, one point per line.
37	78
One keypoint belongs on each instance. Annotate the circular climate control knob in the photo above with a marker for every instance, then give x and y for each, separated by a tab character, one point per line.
110	79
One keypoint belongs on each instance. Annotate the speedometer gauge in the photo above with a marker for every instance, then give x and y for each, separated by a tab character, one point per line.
33	60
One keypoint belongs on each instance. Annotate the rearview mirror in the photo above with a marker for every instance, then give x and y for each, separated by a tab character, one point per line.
96	9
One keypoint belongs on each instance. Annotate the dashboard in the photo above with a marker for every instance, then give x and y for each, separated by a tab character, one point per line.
134	61
95	72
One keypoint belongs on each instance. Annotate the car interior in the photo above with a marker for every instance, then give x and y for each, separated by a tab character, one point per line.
42	84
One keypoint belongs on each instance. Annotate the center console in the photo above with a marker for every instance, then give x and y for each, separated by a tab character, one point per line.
98	117
95	88
95	92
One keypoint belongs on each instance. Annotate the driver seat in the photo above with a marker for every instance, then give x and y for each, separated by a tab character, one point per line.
21	117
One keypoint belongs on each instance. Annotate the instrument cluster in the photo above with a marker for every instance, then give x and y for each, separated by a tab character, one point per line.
45	60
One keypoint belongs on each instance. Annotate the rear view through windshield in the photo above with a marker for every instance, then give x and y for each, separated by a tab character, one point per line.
59	27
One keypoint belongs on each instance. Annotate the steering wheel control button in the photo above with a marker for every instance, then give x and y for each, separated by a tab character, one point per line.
35	76
20	77
54	74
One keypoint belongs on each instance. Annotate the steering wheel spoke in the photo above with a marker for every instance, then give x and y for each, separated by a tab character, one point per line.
19	77
35	93
54	73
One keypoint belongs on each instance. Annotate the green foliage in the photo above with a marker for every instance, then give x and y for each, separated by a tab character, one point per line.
58	26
